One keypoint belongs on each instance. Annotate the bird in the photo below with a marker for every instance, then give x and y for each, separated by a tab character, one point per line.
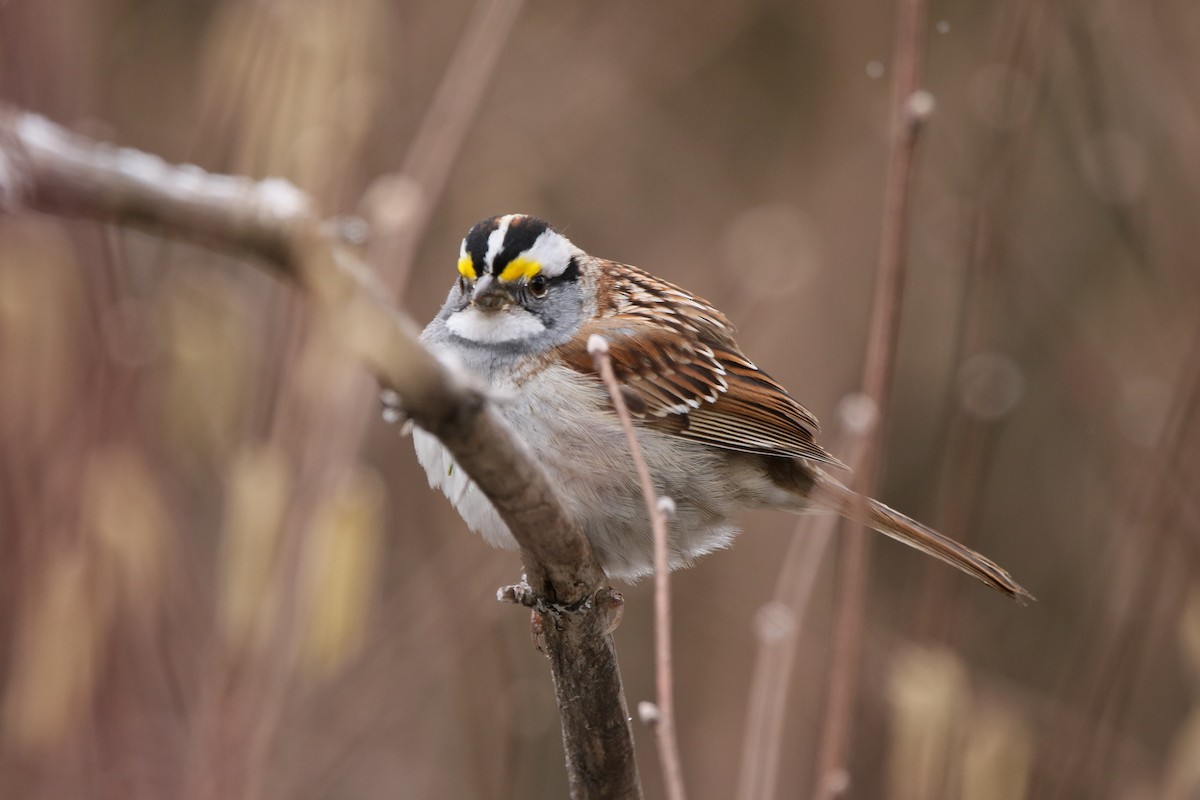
719	435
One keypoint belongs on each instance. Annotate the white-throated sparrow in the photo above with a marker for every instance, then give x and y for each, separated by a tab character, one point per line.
719	435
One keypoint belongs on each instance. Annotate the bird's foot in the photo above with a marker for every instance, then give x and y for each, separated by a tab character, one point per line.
609	602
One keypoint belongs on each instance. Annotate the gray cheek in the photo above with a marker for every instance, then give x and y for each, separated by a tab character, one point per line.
562	314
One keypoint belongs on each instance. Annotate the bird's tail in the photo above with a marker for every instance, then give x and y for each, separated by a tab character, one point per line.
892	523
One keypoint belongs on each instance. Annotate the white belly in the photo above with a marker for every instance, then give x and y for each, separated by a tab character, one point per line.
471	504
563	418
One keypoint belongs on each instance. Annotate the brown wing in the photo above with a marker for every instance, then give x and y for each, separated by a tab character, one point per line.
682	372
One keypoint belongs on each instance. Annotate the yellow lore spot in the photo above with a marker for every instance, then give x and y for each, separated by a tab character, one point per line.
520	267
466	268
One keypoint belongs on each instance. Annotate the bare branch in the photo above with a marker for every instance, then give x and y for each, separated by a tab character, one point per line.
45	168
51	170
658	508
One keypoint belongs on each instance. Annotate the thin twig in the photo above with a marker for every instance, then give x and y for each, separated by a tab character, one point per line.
778	622
910	107
657	507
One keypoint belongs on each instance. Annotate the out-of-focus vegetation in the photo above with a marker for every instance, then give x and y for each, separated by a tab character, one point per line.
222	576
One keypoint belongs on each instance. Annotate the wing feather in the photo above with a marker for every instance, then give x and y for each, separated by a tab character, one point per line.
675	353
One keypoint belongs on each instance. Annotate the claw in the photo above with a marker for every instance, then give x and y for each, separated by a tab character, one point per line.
612	606
537	631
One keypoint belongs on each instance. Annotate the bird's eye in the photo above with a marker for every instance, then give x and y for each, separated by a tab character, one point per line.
537	285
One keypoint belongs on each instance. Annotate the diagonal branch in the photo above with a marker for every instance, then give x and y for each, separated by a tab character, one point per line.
48	169
45	168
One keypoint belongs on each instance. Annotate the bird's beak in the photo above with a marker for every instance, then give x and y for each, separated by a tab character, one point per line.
490	294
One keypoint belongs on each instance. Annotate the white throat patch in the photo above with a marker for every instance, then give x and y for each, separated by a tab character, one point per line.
493	327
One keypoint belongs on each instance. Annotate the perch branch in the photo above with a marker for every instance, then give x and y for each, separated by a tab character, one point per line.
45	168
662	718
48	169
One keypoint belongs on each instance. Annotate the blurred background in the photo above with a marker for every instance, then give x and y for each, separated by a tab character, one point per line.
222	576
